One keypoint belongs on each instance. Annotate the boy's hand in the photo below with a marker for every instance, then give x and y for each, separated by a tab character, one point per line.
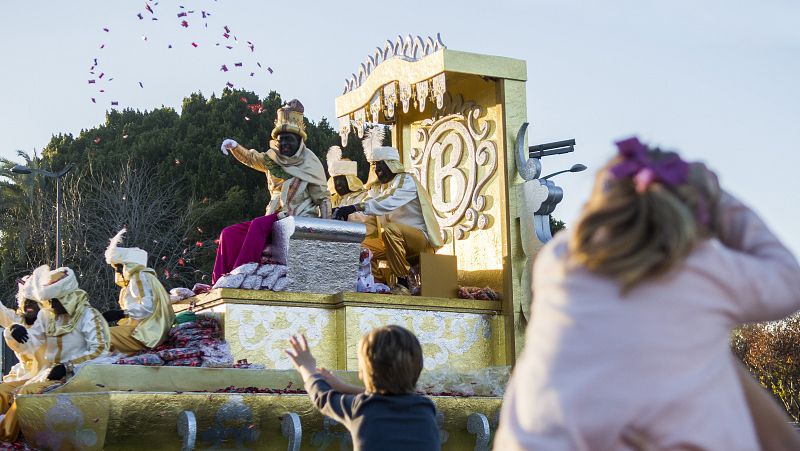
301	356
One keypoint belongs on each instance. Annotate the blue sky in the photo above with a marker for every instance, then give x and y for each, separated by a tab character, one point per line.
719	80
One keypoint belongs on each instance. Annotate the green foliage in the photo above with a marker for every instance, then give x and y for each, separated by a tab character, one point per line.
179	154
556	225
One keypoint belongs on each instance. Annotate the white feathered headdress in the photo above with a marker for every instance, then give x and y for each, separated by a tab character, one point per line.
373	139
25	291
338	165
53	284
116	255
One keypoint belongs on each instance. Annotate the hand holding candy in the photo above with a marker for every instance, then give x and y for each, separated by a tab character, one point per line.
227	145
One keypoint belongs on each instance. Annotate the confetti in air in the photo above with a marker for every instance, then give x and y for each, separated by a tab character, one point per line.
235	60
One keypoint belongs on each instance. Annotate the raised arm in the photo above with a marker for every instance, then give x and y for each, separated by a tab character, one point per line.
8	317
764	277
248	157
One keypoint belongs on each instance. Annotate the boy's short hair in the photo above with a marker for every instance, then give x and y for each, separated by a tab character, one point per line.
391	360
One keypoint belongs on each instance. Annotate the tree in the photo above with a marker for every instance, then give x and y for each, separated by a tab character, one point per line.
159	157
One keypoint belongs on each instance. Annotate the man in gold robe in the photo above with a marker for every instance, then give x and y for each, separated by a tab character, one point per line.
296	182
71	332
402	211
145	315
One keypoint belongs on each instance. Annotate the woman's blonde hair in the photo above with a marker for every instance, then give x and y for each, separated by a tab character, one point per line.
390	360
633	233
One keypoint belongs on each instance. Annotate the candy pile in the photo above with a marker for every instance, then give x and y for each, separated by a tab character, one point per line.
271	391
18	446
253	276
484	294
194	343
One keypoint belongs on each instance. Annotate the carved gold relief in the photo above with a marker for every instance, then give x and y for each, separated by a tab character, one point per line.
405	95
422	94
454	160
375	108
359	119
439	88
389	99
344	129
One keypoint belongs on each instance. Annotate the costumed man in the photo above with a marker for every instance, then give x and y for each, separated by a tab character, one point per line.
345	186
70	330
146	315
16	323
296	183
403	212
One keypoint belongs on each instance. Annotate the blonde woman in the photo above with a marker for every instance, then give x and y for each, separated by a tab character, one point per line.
632	311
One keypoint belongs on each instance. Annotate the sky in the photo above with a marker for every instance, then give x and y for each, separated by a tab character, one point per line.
717	80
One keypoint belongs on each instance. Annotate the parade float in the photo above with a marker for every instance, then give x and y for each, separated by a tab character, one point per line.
459	121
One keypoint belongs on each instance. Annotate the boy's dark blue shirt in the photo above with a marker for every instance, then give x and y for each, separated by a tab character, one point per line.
379	422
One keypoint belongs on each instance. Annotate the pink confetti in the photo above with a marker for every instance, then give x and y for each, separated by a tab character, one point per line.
243	99
97	140
166	273
194	44
184	24
163	258
181	261
199	244
226	35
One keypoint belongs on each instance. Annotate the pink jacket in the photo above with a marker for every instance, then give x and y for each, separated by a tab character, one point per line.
658	358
